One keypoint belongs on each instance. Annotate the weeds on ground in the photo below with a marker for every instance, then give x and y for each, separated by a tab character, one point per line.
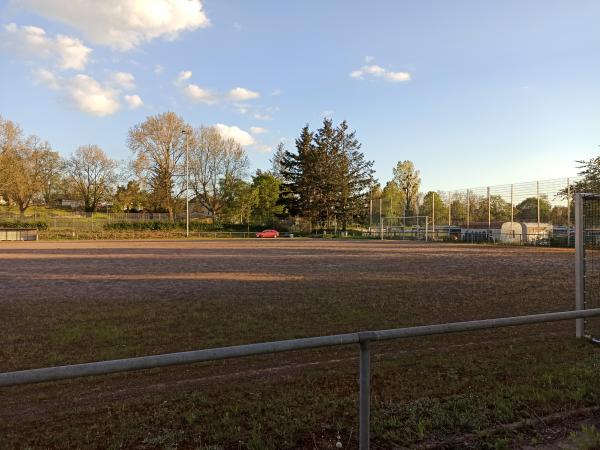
588	438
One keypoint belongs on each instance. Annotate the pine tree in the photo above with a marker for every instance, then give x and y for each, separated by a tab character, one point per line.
327	178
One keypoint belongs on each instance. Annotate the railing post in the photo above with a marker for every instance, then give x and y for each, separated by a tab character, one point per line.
364	412
579	264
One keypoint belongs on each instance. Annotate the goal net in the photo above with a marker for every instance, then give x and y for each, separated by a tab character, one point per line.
587	262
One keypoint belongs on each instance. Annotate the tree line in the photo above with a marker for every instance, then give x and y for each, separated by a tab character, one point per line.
324	179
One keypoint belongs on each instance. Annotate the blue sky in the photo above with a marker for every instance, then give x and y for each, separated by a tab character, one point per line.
475	93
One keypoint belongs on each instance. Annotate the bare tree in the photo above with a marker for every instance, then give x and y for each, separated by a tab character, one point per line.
52	169
159	148
216	164
24	163
92	175
11	141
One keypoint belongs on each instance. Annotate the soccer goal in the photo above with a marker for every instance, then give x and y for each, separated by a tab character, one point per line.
587	262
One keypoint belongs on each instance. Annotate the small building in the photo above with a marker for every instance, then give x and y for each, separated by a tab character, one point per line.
18	234
534	232
73	204
511	233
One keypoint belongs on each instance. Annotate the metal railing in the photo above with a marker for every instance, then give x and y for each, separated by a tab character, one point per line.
363	338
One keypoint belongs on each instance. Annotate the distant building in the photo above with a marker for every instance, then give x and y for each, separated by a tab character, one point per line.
73	204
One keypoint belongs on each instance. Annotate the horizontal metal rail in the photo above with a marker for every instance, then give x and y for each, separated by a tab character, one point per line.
363	338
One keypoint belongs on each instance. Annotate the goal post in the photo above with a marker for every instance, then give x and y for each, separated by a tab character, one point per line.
587	262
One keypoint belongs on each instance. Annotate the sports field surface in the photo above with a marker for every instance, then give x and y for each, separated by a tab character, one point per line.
72	302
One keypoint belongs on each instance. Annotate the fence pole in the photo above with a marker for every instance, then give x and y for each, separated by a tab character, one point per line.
370	213
433	214
364	395
579	264
568	212
538	207
449	211
512	209
489	199
468	209
381	216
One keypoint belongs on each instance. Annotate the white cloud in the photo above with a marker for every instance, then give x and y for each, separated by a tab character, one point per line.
242	94
240	136
33	42
183	76
262	148
257	130
158	69
193	91
369	59
379	72
47	78
134	101
86	94
328	113
124	24
275	92
260	116
200	95
91	97
123	80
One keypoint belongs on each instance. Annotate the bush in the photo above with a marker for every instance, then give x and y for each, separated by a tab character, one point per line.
40	225
166	226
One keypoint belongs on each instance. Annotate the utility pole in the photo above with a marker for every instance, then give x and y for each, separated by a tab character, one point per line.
187	183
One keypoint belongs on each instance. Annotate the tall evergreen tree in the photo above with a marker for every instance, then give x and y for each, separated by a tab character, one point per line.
327	178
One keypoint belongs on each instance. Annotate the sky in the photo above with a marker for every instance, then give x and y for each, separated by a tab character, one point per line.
475	93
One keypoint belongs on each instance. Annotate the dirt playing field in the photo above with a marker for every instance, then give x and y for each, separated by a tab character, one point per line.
71	302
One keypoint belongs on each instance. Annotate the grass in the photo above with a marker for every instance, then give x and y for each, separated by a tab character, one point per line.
457	390
316	405
588	438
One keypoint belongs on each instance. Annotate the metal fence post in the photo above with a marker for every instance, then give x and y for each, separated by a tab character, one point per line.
364	412
489	205
579	264
568	212
433	214
468	209
537	194
381	216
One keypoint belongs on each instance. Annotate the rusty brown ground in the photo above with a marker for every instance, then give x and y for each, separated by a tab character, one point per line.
70	302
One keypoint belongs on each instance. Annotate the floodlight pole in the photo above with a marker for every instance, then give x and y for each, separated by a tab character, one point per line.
187	183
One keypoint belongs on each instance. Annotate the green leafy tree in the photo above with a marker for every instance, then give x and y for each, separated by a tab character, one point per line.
267	207
408	180
240	201
441	208
527	210
130	198
393	200
590	177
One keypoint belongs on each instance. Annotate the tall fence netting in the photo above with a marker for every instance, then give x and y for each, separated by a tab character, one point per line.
591	255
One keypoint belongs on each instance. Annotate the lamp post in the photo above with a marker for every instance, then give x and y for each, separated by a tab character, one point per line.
187	176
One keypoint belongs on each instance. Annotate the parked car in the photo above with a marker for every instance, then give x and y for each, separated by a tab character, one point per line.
268	234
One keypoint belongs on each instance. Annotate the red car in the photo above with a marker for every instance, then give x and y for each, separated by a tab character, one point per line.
268	234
